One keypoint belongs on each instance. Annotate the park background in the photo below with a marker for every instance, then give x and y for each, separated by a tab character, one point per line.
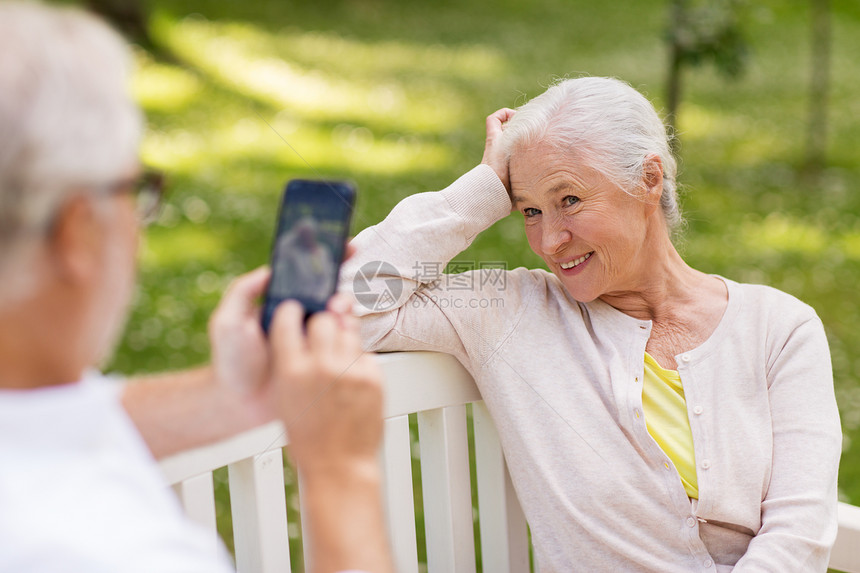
242	96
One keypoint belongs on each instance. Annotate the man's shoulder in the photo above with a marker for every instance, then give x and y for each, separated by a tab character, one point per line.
51	556
40	553
97	511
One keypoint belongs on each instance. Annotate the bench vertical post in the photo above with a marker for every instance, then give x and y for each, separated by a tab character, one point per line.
447	490
504	534
398	495
846	551
197	496
259	507
306	525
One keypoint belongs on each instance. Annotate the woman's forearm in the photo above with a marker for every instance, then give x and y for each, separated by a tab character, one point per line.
422	234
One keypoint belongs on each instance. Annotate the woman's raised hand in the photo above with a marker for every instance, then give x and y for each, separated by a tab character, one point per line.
494	155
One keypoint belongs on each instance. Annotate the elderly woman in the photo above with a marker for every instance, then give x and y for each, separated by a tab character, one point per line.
654	417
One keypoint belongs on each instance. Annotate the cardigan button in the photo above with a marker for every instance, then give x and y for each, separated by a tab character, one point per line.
691	521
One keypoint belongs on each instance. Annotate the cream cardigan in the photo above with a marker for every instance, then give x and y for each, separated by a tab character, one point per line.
562	380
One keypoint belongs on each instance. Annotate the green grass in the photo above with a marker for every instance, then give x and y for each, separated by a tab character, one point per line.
393	95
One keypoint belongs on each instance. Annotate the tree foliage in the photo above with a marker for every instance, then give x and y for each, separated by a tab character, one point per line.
700	32
819	88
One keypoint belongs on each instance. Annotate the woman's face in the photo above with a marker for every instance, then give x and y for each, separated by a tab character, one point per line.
588	230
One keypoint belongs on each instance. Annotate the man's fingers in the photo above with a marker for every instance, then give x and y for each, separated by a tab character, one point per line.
350	250
286	333
340	304
242	294
324	334
335	338
351	338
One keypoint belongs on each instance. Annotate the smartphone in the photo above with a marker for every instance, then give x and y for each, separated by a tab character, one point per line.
312	229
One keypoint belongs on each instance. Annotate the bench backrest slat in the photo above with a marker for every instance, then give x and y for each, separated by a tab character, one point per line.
398	494
846	553
443	441
259	508
197	496
504	536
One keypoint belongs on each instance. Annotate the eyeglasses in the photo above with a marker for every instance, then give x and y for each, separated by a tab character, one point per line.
148	190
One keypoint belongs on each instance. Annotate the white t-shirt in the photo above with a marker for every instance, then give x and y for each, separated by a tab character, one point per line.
79	490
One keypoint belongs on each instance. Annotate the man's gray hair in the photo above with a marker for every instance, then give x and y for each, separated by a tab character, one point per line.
66	122
607	125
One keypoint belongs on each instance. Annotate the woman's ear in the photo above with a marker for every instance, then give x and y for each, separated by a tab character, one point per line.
652	178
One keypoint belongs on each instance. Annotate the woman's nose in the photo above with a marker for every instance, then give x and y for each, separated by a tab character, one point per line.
555	235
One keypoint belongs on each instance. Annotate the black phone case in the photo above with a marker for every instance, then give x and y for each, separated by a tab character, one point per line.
341	194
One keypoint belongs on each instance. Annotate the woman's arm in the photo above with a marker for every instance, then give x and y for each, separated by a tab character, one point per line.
396	276
799	510
396	273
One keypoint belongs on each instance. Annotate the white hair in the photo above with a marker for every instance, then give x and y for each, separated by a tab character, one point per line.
66	122
607	125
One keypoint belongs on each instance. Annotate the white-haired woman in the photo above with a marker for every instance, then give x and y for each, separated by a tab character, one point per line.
654	417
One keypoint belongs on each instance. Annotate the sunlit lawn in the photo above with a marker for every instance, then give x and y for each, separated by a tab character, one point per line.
242	96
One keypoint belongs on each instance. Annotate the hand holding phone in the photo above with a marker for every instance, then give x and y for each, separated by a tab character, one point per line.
309	245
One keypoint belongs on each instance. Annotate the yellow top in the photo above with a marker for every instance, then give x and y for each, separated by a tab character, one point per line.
666	419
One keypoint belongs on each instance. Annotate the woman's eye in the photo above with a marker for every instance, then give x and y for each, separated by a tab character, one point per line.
571	200
531	211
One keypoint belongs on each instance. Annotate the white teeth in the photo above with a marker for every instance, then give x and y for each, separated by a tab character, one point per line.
575	262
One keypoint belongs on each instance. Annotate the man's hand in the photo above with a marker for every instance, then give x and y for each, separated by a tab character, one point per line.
330	399
494	155
330	394
240	354
176	411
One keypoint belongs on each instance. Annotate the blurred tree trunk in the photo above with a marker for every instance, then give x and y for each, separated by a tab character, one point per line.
676	57
699	32
128	16
816	135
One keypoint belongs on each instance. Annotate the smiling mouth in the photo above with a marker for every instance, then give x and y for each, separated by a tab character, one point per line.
576	262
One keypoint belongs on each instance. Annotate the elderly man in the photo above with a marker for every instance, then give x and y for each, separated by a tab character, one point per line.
79	488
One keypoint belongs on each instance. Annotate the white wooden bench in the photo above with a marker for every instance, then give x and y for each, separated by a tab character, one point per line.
436	388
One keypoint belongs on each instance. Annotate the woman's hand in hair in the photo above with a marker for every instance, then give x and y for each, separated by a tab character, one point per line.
494	154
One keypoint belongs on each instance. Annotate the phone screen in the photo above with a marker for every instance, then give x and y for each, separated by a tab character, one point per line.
313	225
